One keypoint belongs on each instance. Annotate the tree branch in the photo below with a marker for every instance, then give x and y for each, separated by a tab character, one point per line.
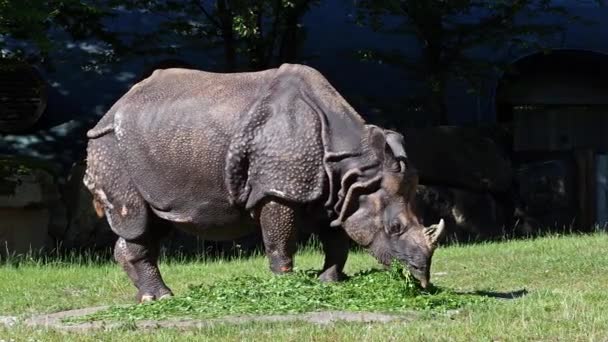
272	36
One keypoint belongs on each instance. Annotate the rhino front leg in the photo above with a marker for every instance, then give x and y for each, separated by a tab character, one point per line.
279	231
335	246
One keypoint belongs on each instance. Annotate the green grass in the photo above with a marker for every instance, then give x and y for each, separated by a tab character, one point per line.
566	279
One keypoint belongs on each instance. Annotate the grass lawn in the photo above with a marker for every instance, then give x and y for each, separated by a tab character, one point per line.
566	279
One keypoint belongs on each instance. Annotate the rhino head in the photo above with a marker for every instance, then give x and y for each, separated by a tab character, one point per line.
317	147
377	207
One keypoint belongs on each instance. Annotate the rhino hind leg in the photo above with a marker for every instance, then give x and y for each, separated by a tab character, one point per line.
138	254
335	246
128	215
279	232
139	259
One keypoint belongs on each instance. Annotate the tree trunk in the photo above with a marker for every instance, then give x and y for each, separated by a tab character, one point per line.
436	105
225	17
431	33
257	44
288	50
274	34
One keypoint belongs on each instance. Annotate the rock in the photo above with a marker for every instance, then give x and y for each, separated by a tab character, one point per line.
56	320
460	157
467	214
85	230
30	205
547	189
23	230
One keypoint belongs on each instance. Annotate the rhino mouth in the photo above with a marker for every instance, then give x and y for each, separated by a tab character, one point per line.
420	275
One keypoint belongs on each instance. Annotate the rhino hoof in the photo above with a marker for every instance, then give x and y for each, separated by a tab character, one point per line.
165	296
330	276
146	298
150	297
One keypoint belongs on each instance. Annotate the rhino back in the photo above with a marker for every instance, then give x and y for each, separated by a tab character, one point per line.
174	129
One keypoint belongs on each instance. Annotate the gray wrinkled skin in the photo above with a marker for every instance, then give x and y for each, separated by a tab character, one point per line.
221	155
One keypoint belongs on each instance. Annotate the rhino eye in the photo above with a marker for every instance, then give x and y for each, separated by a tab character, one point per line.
394	227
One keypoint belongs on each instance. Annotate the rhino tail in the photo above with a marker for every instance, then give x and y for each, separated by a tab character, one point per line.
97	132
104	126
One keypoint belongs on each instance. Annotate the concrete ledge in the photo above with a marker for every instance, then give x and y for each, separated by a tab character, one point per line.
54	320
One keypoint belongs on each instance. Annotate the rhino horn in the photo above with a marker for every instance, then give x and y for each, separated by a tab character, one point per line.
434	232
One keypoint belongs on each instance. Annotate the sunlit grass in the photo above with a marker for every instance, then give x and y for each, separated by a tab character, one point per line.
564	278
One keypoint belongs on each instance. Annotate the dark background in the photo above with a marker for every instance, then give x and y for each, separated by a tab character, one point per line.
502	103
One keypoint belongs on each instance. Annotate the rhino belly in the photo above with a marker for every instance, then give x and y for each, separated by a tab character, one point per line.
215	220
202	215
221	232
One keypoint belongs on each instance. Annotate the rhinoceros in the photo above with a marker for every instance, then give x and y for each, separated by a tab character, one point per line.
223	154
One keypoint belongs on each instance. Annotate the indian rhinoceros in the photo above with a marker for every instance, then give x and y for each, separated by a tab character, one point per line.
223	154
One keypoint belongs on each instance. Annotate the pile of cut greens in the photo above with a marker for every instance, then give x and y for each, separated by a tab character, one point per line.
389	291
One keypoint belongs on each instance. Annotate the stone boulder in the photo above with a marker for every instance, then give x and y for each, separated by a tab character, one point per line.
548	192
468	215
466	178
473	216
461	157
30	206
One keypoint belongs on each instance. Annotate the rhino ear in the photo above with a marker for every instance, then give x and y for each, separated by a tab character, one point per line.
388	146
396	144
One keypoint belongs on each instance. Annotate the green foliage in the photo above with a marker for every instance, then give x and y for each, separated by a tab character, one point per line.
33	22
372	290
251	34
